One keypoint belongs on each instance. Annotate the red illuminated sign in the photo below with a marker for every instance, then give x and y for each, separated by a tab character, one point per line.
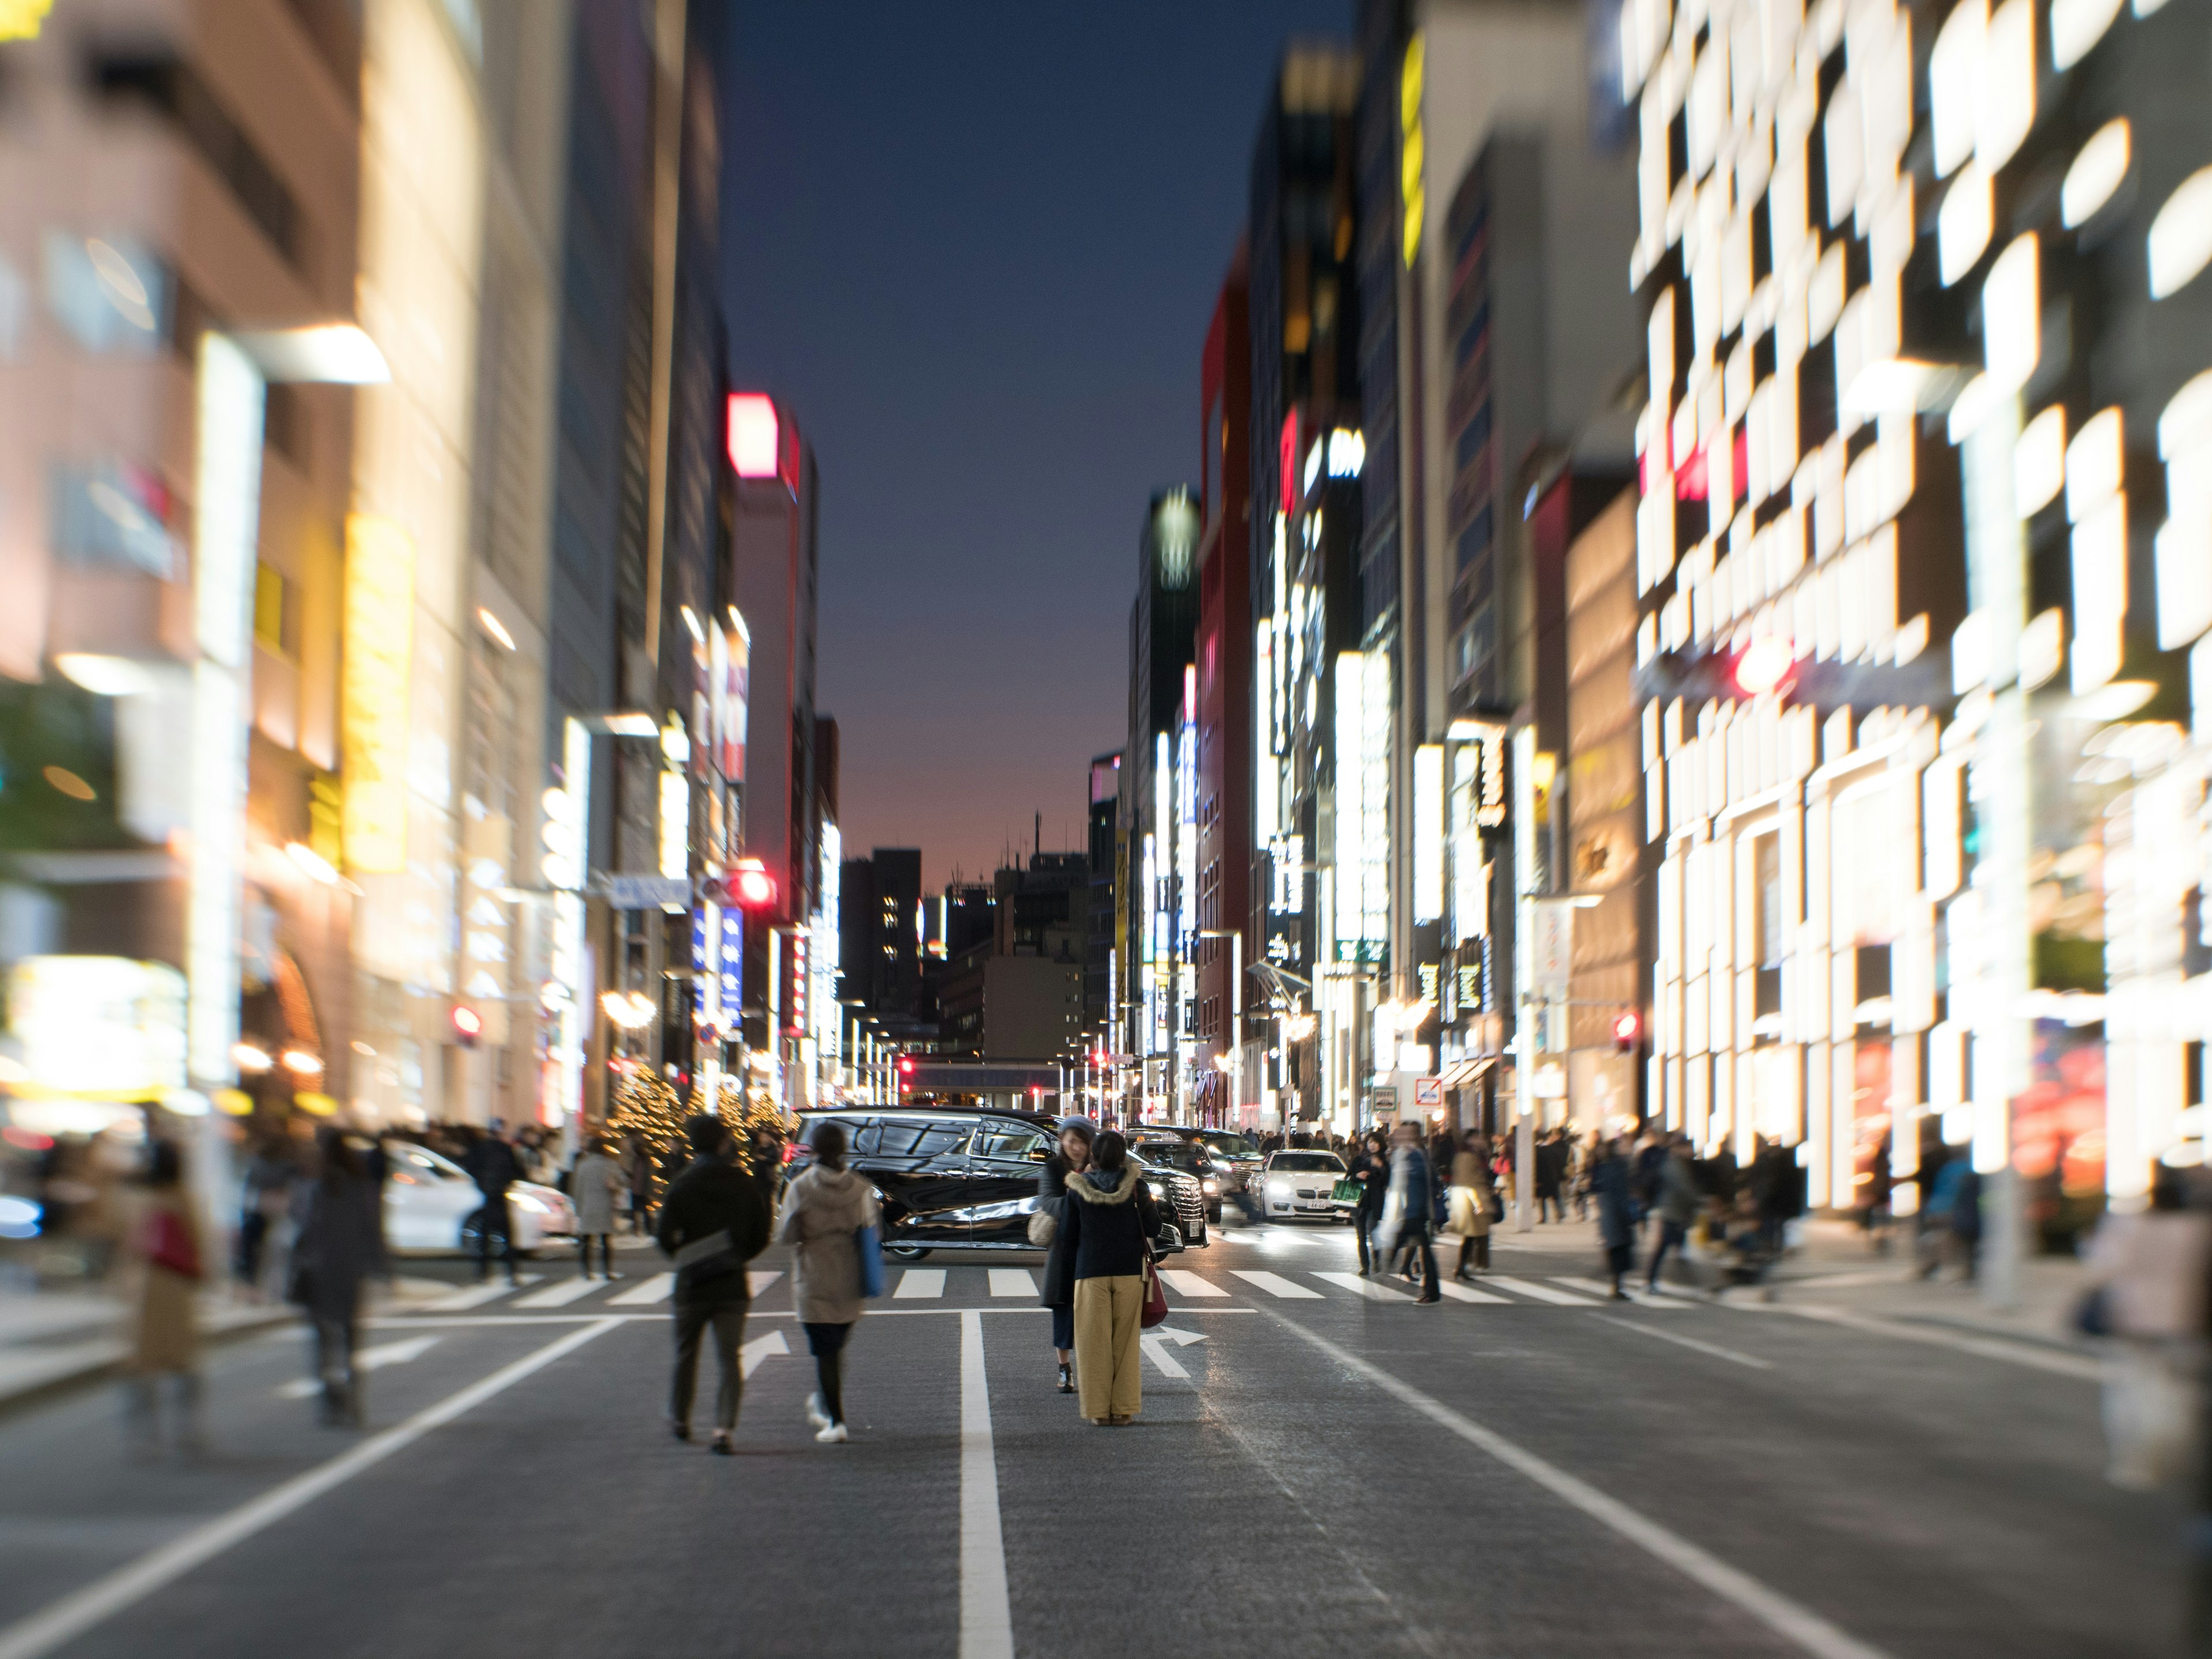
754	434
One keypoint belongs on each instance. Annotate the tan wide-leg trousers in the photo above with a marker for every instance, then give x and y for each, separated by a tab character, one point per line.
1106	1352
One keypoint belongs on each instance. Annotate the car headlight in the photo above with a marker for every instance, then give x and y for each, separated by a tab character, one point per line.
1212	1186
1156	1188
527	1205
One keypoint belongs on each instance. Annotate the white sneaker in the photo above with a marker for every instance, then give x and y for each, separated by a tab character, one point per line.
833	1434
814	1414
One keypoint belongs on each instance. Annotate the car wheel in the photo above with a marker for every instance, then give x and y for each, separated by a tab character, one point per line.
905	1252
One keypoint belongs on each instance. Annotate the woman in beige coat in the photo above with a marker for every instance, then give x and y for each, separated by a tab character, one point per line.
161	1265
1468	1211
824	1208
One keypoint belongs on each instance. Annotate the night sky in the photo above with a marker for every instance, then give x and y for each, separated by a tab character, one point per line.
976	247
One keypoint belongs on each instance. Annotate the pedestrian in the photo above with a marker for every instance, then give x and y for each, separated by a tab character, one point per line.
1550	1170
493	1165
1072	1158
637	1173
712	1223
1107	1231
1470	1204
1409	1210
764	1158
1372	1169
595	1182
1676	1205
1616	1204
824	1211
264	1191
1872	1206
339	1243
161	1261
2147	1272
1773	1184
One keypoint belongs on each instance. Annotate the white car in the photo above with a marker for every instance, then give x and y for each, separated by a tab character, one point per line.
430	1206
1296	1184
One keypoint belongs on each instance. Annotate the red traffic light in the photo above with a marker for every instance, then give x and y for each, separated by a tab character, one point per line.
906	1069
468	1024
1767	664
751	887
1626	1027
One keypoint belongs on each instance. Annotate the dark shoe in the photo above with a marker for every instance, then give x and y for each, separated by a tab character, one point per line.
1619	1295
1425	1299
1066	1380
720	1446
681	1431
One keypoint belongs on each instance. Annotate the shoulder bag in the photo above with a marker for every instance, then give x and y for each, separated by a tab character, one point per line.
1044	1222
868	1243
1156	1299
169	1245
704	1261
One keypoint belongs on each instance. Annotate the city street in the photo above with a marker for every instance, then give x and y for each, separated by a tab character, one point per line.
1321	1468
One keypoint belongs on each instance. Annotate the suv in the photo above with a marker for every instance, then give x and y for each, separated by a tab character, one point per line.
1234	1154
955	1179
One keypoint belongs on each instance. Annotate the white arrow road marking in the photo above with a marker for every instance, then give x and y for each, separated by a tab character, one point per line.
1157	1352
1180	1339
750	1357
366	1359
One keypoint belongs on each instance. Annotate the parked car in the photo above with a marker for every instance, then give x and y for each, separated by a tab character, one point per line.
1193	1157
1296	1184
430	1206
953	1178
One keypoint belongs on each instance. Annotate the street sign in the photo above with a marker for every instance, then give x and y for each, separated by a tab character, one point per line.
1552	944
649	892
1428	1091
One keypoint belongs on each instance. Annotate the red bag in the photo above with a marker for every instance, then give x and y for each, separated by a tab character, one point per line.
1156	1299
168	1243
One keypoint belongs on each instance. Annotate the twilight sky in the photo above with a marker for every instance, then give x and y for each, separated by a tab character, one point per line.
976	244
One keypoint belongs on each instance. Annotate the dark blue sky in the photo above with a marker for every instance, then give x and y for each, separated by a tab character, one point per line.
977	246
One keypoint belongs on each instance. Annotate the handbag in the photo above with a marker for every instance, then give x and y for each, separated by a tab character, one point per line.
1044	1223
868	1243
1347	1191
705	1260
1156	1299
169	1245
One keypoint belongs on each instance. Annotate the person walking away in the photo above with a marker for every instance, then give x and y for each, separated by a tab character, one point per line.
595	1183
1108	1232
339	1243
1372	1169
1071	1159
1409	1211
2147	1274
492	1164
1676	1206
712	1223
824	1211
1470	1204
1874	1199
637	1170
266	1190
161	1262
764	1159
1616	1209
1551	1168
1649	1159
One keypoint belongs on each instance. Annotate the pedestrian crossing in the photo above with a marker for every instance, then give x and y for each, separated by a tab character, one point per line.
968	1286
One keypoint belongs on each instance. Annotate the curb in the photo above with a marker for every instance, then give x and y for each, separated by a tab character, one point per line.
109	1365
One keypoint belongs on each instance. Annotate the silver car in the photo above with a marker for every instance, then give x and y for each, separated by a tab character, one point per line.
1297	1184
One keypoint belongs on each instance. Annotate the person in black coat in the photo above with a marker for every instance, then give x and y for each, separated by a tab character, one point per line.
1372	1169
712	1221
1107	1230
339	1242
1077	1135
492	1164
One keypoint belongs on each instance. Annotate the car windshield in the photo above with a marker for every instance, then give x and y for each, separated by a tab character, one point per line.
1179	1154
422	1158
1307	1161
1230	1143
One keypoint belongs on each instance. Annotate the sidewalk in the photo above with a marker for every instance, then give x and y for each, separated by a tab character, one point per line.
53	1341
1836	1267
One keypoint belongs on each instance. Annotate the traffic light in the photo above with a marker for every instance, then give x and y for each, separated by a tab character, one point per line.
1627	1026
905	1066
468	1024
1767	664
751	887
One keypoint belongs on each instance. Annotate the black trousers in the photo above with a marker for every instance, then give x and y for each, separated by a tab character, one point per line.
827	1343
695	1318
606	1253
497	1219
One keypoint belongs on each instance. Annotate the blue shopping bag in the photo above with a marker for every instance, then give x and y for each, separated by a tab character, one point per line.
869	1241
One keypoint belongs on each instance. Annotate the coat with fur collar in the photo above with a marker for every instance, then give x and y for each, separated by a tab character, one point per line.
1110	1224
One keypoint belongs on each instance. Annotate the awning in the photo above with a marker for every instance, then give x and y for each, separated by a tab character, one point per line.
1462	1072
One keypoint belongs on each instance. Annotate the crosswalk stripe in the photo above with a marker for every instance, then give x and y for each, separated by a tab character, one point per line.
659	1288
1531	1288
1276	1285
761	1279
920	1282
1012	1281
1184	1282
1459	1292
476	1296
1366	1287
1636	1293
557	1295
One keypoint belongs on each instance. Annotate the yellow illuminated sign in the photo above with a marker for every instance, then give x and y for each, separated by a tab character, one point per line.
21	20
379	611
1413	153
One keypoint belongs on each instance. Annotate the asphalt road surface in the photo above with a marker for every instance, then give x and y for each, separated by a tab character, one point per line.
1322	1467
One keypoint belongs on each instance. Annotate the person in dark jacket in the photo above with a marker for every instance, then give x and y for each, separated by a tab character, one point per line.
1372	1169
1107	1233
339	1243
494	1167
1409	1210
712	1221
1676	1206
1616	1211
1551	1173
1077	1135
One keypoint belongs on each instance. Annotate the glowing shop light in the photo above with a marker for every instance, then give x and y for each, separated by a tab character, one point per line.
337	354
300	1063
106	677
2038	461
2096	173
1963	223
2011	321
314	863
497	628
754	437
1766	664
2181	235
248	1058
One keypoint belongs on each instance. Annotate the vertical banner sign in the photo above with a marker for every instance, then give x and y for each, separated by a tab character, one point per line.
380	612
736	693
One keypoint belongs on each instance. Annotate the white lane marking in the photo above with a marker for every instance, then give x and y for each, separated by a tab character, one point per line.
920	1281
1529	1287
558	1295
64	1621
365	1359
1661	1299
1276	1285
758	1282
1184	1339
987	1623
1713	1348
1012	1281
1791	1619
659	1288
1157	1352
1988	1347
1366	1287
751	1356
1459	1292
461	1301
1184	1282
